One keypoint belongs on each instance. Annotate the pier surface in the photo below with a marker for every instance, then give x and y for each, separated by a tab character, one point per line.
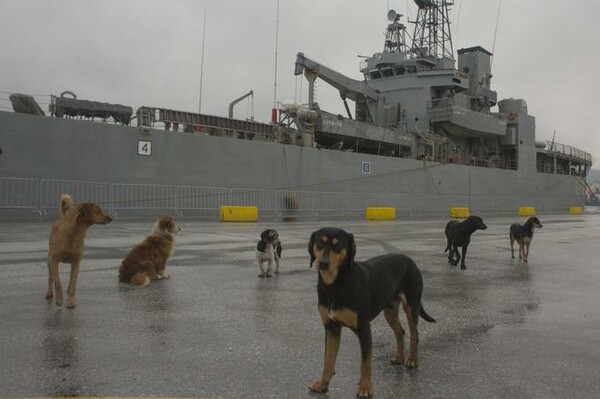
504	328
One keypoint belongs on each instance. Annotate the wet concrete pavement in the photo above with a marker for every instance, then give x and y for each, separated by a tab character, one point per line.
504	328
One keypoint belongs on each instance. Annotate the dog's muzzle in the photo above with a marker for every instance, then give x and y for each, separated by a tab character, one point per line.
324	264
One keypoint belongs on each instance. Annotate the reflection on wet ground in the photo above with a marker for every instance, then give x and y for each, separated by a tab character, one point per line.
505	328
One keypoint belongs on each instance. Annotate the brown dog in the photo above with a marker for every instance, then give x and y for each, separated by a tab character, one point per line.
66	244
146	262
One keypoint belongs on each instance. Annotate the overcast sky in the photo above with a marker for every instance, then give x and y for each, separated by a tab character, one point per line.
141	52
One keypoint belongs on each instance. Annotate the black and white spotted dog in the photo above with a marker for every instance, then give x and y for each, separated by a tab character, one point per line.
268	250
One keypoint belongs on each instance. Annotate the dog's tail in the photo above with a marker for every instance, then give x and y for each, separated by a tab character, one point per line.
447	245
65	203
140	280
144	274
425	316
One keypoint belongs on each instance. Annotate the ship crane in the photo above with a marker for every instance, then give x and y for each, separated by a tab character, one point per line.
355	90
237	100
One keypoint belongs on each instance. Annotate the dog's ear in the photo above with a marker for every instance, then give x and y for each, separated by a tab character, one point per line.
84	211
264	235
351	247
165	224
311	244
171	224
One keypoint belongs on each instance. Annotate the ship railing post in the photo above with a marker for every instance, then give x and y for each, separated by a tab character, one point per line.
178	211
113	201
38	200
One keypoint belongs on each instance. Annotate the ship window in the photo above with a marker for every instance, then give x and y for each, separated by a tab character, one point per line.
375	75
400	70
411	69
387	72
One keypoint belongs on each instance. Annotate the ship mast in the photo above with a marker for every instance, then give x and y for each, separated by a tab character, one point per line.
395	37
432	38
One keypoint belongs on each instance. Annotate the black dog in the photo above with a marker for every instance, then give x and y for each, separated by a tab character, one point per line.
458	234
523	234
268	250
353	293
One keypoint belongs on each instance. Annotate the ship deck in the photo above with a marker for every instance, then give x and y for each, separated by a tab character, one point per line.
504	328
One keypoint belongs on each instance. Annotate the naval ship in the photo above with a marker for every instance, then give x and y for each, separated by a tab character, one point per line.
426	133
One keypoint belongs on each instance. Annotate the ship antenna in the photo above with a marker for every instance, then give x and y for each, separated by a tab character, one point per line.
395	37
276	56
495	32
432	37
202	63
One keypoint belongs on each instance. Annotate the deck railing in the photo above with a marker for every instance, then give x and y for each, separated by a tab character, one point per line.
569	151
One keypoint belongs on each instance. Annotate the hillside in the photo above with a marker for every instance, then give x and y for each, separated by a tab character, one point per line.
593	176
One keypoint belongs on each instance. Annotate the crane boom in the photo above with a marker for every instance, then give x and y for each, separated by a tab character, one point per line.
355	90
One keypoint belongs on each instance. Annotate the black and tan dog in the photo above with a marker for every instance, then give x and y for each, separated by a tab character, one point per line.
351	294
458	234
523	234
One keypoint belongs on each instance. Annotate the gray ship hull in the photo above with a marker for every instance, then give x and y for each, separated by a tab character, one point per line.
57	153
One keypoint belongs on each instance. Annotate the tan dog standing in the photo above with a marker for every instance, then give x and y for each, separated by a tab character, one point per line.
66	244
146	262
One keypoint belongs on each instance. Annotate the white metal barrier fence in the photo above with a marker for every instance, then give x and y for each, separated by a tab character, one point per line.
18	193
142	197
81	191
43	195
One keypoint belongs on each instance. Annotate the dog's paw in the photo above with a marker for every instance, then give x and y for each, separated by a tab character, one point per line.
318	387
411	363
463	267
262	274
71	305
365	390
49	295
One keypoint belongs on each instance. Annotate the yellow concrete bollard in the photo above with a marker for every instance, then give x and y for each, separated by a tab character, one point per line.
239	213
460	212
575	210
380	213
526	211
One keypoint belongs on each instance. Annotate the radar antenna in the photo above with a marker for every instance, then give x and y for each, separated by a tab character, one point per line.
432	38
395	37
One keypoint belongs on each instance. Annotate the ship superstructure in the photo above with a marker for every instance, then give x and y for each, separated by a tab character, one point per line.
416	102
